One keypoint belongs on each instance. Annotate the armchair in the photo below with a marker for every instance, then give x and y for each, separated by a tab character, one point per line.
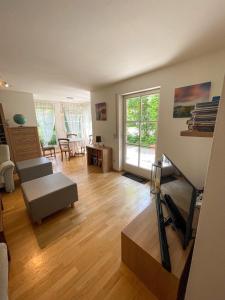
6	169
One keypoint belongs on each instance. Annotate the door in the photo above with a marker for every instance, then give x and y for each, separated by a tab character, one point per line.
140	131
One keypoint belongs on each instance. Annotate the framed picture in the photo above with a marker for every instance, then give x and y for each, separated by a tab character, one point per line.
101	111
186	97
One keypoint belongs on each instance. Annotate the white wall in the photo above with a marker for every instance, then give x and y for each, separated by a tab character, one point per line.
190	154
207	274
18	103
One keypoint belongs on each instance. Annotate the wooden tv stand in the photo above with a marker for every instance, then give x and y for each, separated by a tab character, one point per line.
141	253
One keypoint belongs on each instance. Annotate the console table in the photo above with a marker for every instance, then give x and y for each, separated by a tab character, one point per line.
100	156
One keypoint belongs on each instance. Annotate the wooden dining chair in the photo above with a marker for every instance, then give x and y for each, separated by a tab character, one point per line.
48	149
90	139
64	146
71	135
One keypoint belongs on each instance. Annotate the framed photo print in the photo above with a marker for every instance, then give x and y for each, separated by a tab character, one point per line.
100	109
186	97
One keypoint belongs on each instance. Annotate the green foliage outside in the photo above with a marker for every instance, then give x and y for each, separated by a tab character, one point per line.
183	111
53	140
142	112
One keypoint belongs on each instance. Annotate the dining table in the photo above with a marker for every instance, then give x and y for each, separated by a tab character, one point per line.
77	145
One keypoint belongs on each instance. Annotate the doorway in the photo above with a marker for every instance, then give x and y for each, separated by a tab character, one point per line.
140	131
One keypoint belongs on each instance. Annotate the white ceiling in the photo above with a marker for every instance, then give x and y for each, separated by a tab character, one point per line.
60	48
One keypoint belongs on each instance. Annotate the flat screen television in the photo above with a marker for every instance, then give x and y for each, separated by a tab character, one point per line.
180	196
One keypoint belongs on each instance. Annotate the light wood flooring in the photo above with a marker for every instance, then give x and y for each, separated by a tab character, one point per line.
76	253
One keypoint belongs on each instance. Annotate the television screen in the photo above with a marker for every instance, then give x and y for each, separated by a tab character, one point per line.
180	197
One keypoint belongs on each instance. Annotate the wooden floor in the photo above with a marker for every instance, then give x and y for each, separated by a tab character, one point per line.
76	253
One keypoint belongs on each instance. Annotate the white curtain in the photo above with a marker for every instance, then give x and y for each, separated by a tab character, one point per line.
77	118
46	120
72	118
86	125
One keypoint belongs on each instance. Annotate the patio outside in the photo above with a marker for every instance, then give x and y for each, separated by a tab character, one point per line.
147	156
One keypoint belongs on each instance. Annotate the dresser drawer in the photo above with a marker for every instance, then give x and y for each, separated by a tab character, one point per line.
24	143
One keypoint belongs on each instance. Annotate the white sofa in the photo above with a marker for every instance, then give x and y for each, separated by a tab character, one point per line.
6	169
3	272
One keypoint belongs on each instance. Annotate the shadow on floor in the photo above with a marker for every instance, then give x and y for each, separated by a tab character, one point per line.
56	226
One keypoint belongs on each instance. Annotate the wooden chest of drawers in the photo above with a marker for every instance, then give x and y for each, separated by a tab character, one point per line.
24	143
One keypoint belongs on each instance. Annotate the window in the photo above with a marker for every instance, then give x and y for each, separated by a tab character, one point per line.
77	119
72	118
45	114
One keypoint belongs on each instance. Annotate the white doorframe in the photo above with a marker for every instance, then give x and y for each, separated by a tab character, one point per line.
128	167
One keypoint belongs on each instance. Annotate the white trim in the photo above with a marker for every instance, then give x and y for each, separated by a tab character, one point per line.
135	169
150	91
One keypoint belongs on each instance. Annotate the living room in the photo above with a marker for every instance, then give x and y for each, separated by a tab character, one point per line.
86	90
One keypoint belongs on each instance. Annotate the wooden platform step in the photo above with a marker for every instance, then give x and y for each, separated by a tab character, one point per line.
141	253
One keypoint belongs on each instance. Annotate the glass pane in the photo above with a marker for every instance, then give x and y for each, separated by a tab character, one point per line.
132	155
133	109
132	136
148	134
149	107
147	157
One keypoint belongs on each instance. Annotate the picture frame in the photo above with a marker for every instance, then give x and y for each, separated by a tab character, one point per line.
101	112
186	97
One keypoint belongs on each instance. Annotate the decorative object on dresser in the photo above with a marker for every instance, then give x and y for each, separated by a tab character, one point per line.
19	119
46	195
100	156
3	126
24	143
6	169
33	168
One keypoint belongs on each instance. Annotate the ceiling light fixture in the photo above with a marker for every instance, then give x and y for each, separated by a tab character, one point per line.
4	84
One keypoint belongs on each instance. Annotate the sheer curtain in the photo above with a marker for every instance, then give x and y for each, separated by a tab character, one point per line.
86	125
45	114
77	119
72	118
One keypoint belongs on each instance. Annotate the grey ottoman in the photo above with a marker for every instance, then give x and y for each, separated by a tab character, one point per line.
33	168
46	195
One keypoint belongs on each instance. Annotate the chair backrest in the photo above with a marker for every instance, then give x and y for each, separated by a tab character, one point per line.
4	153
64	144
90	139
42	145
71	135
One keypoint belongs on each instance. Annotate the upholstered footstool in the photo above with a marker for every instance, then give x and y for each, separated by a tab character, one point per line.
49	194
33	168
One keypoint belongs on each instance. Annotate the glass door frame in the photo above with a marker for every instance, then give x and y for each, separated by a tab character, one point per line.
128	167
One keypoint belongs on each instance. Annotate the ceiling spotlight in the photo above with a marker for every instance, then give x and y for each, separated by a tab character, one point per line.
4	84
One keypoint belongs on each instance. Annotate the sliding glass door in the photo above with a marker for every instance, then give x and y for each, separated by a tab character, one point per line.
140	131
